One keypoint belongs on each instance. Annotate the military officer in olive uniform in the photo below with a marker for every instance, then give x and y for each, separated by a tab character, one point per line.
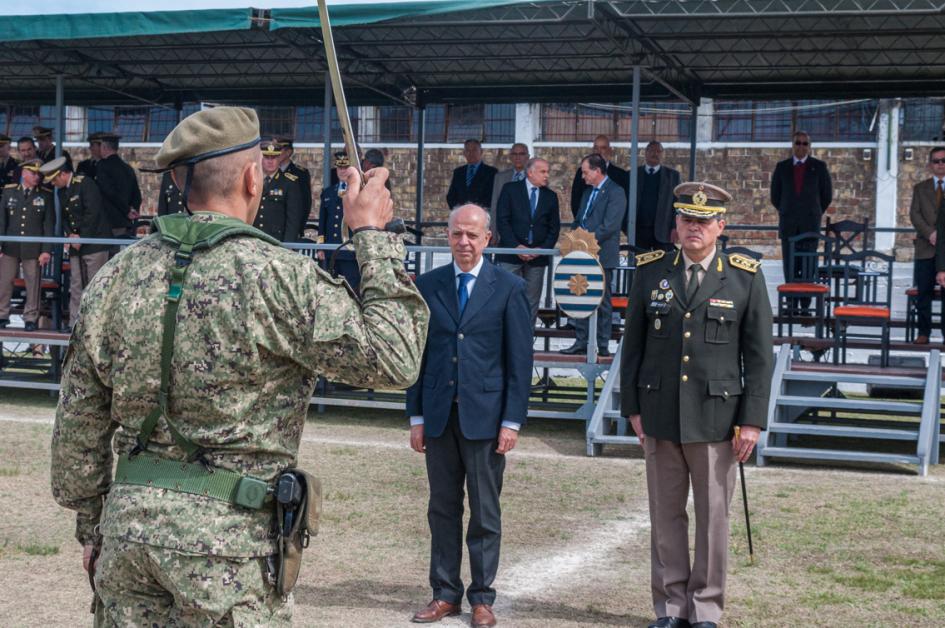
87	167
9	167
255	324
286	165
83	216
170	200
26	209
45	147
280	210
330	218
696	362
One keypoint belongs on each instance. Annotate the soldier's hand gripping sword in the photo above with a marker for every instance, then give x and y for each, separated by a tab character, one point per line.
741	470
396	225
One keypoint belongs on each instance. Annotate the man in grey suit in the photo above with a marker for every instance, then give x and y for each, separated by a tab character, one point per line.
518	156
927	197
603	206
656	218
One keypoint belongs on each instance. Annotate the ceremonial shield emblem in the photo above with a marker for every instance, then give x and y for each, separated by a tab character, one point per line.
579	284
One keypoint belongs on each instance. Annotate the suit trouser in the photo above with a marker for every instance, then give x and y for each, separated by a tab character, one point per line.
8	269
605	321
695	592
81	270
923	275
452	461
534	277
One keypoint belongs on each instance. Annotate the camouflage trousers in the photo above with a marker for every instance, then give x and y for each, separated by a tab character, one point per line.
143	585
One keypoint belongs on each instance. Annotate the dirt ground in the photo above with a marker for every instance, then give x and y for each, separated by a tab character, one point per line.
833	546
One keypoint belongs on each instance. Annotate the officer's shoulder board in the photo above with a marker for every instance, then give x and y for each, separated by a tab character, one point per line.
744	263
290	176
651	256
78	178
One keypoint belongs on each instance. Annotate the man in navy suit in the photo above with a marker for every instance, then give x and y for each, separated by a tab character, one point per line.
466	409
801	191
471	183
602	209
527	217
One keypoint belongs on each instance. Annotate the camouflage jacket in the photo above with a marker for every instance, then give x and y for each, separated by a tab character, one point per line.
256	325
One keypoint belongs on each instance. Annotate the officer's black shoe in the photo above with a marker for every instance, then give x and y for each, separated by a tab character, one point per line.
603	352
669	622
4	322
29	327
574	349
704	624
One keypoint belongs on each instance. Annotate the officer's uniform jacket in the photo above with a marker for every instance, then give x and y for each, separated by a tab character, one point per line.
694	370
9	171
330	218
119	186
87	167
83	213
281	207
305	190
26	213
170	200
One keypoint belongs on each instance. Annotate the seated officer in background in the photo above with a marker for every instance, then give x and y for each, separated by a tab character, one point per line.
83	216
26	209
303	176
330	217
170	200
697	362
280	209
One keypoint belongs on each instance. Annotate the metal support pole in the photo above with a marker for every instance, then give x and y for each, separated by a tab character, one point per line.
326	149
421	138
693	126
57	250
634	150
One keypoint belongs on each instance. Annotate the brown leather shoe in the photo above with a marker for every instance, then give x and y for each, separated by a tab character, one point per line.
482	616
435	611
921	340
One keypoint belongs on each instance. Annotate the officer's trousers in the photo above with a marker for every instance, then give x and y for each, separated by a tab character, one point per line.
81	270
144	585
9	266
695	592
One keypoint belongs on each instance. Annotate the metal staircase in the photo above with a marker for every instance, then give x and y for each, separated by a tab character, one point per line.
806	401
606	426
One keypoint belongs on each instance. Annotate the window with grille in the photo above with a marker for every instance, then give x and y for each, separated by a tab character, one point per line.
776	121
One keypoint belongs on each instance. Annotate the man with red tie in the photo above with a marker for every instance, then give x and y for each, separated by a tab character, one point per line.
801	191
924	212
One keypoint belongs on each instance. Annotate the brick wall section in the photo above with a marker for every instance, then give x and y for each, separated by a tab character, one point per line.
744	172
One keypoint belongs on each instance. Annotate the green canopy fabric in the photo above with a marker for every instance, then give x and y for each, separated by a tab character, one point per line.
368	13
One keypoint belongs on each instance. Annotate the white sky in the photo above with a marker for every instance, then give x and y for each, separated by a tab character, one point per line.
54	7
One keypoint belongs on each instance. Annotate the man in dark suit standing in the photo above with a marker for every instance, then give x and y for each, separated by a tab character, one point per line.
466	408
696	362
518	157
603	207
471	183
615	173
528	217
119	186
656	218
801	191
927	200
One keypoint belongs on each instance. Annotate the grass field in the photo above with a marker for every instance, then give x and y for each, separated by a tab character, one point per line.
848	546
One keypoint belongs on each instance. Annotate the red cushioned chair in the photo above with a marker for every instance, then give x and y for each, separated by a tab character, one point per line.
807	254
868	305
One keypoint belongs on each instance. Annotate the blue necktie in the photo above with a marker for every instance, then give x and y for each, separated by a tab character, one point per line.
533	202
589	208
518	176
470	173
462	293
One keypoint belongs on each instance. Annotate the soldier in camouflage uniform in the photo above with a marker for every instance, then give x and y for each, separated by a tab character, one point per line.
83	216
26	209
280	209
257	324
170	200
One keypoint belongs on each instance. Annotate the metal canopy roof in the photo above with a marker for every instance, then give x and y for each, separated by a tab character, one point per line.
553	50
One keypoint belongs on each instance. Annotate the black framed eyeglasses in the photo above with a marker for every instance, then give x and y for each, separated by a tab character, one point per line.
802	143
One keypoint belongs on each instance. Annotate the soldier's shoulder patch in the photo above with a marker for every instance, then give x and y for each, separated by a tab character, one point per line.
744	263
78	178
651	256
290	176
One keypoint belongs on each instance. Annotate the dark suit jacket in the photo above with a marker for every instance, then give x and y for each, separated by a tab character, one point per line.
605	220
119	186
665	212
728	373
798	214
483	358
305	189
479	190
514	219
616	174
924	215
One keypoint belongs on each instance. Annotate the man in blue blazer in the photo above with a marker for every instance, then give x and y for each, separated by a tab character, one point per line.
527	216
466	408
602	210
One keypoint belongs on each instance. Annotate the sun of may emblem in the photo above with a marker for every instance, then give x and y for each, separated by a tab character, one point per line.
699	198
577	284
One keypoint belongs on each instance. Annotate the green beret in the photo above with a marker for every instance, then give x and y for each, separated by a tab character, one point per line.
207	134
